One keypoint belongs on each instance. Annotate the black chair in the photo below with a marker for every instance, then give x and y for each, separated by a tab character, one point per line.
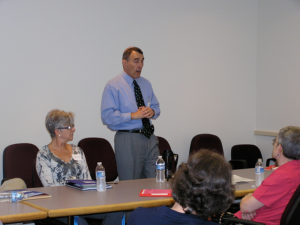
168	155
246	156
271	161
99	150
290	216
206	141
238	164
19	161
247	152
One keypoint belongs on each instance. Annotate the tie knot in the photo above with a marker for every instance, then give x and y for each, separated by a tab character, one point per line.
135	83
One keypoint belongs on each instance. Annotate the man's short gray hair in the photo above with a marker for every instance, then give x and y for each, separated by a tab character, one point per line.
289	138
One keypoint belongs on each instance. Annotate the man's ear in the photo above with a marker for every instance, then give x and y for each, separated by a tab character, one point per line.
124	63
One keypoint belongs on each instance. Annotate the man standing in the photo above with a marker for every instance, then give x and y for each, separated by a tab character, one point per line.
128	105
269	200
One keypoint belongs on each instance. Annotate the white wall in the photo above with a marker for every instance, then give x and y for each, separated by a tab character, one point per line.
200	57
278	74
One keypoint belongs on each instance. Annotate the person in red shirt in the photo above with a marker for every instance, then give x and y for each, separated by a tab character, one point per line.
269	200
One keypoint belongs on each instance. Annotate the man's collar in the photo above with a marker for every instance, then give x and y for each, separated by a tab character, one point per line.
128	78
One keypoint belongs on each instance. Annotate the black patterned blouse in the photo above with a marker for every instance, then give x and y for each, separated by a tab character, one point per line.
54	171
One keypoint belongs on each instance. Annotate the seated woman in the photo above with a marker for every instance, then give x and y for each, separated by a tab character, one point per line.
59	161
201	188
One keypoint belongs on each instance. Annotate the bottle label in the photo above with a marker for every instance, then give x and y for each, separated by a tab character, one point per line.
160	166
13	196
100	174
259	169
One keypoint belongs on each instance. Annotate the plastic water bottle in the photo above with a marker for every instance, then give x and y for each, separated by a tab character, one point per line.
100	177
16	196
259	172
160	169
12	196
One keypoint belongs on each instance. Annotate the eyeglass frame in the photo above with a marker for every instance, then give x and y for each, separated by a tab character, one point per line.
66	128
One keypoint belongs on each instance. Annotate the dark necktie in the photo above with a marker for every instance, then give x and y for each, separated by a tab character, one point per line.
147	128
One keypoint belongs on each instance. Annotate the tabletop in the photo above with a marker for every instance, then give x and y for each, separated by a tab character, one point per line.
241	189
67	201
18	212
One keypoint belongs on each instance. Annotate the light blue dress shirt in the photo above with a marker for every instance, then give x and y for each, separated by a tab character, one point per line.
118	102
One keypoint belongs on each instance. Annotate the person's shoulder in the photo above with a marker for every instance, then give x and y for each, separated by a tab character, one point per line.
44	153
287	168
116	80
44	150
75	146
283	175
141	210
291	170
116	83
76	149
144	216
294	164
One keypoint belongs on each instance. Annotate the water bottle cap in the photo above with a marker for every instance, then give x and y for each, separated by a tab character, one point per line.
160	157
259	160
99	163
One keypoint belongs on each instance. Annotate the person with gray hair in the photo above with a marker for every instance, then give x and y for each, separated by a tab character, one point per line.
59	161
269	200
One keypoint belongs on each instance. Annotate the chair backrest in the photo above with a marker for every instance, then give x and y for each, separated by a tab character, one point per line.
237	164
19	162
291	214
206	141
250	153
99	150
169	156
163	145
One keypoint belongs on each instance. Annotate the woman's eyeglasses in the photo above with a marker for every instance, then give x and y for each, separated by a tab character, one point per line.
66	128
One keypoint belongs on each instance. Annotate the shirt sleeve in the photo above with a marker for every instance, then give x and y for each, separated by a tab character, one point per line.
110	105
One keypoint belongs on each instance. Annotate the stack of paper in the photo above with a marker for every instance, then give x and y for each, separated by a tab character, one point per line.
237	179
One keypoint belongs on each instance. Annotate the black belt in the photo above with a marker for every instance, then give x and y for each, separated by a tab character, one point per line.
132	131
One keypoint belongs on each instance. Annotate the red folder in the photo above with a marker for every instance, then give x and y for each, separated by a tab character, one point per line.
156	193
